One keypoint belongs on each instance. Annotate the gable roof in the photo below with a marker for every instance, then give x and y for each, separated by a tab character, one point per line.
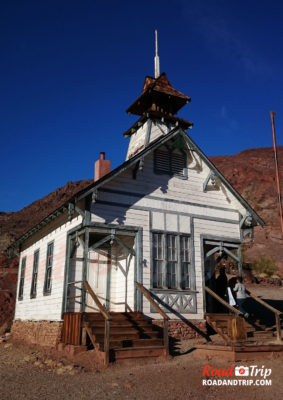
81	194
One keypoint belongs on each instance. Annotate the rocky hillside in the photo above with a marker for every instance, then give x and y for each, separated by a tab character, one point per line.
14	224
251	172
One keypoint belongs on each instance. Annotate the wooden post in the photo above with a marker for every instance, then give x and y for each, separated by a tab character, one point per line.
165	335
106	340
83	337
278	327
272	113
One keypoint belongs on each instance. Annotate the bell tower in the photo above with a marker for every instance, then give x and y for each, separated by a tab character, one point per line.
157	107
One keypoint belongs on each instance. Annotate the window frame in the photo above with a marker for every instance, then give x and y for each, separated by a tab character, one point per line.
33	288
22	278
179	272
170	171
48	276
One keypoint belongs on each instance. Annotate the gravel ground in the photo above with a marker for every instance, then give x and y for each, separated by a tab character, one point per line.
27	373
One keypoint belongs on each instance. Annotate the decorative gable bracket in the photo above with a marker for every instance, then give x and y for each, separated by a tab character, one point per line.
210	178
246	227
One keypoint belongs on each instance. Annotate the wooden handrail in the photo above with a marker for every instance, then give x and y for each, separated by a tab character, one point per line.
107	317
266	305
150	299
227	305
97	302
161	312
277	313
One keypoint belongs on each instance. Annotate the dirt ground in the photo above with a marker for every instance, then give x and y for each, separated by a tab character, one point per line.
27	373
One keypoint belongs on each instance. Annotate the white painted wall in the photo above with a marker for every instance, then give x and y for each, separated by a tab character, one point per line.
170	204
139	138
47	307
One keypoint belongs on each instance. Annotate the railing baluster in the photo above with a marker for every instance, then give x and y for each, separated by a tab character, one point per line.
165	335
161	312
106	340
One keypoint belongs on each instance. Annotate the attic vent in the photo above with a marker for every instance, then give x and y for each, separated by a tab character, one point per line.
162	161
170	162
178	161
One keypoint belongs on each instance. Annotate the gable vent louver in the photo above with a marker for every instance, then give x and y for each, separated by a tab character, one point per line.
162	161
178	164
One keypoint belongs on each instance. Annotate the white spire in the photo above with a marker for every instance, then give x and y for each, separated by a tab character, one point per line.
156	58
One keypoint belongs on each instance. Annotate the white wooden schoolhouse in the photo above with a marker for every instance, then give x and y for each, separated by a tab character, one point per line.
138	244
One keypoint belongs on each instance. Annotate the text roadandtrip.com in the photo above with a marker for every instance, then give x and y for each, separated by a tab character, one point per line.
258	375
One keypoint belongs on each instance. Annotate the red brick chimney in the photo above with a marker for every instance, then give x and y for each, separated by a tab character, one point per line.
101	167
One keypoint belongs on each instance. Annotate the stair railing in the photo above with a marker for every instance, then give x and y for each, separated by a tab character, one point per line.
146	294
238	328
277	313
223	302
106	316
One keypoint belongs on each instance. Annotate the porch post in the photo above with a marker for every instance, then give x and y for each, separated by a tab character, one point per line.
84	271
67	267
239	254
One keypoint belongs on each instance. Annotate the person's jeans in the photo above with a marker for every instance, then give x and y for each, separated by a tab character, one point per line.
241	303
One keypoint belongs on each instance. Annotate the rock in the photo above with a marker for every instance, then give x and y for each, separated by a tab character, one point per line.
115	384
37	363
60	371
68	367
27	359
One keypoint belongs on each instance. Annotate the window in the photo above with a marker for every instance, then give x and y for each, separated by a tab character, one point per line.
170	161
34	274
48	272
171	261
22	278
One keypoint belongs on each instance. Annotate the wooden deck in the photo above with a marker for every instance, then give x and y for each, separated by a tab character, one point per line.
237	353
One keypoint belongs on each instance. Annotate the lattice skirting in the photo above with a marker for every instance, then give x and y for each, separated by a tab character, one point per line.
178	302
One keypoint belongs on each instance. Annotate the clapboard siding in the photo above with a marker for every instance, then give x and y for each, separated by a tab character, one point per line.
158	202
163	186
47	307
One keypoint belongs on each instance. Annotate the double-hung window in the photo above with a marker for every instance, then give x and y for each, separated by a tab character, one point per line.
48	271
171	261
22	278
34	274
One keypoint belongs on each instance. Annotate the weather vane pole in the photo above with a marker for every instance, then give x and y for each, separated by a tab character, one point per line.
156	58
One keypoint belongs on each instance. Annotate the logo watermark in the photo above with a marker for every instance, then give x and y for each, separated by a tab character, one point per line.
254	376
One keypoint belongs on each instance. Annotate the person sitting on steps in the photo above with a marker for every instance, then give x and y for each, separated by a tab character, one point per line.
240	289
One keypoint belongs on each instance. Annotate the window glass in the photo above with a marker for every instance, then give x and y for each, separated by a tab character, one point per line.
49	264
22	278
34	274
171	261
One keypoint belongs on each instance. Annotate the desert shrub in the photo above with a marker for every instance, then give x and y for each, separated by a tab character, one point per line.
264	265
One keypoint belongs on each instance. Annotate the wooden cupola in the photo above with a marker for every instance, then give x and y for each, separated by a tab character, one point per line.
158	96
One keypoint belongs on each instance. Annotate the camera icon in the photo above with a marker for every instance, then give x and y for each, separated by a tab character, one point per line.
242	371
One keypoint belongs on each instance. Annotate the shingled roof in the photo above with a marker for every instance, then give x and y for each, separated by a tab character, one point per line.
160	91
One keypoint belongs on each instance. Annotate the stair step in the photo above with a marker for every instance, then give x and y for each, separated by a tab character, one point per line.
124	329
223	317
118	323
126	336
126	353
118	344
221	324
263	334
114	316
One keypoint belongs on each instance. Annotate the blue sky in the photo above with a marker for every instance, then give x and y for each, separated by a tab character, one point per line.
69	69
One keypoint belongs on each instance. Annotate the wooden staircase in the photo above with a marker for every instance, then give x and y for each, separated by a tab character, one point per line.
131	336
233	328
